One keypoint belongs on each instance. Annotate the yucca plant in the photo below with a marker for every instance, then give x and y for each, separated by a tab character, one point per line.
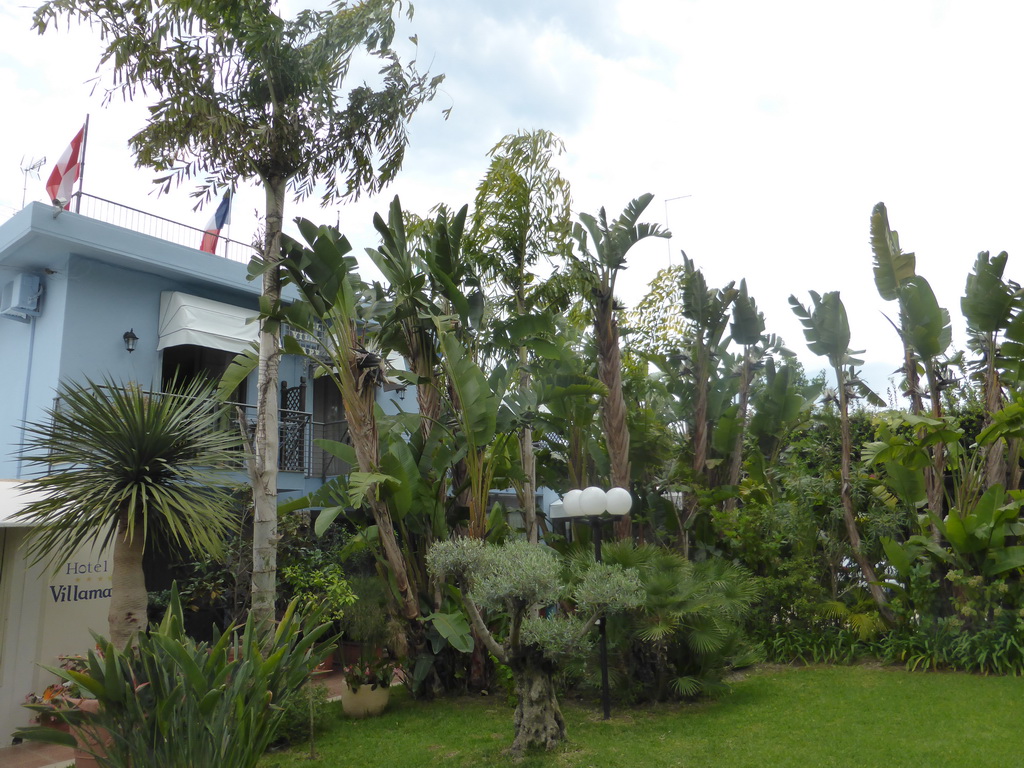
126	467
173	702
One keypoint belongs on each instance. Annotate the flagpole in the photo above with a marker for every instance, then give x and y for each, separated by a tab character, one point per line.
227	224
81	165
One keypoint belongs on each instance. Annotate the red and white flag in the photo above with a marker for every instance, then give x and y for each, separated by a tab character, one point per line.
220	219
66	172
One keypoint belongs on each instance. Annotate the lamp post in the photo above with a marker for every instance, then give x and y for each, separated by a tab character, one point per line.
591	503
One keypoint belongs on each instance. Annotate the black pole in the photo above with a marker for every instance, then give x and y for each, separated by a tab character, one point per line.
606	703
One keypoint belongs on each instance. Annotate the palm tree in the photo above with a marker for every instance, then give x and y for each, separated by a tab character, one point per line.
596	271
130	468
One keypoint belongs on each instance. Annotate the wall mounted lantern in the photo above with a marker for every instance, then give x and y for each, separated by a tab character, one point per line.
130	340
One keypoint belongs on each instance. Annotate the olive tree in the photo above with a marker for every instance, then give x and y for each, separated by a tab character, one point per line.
521	579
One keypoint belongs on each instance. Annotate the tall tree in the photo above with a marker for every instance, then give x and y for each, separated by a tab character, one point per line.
991	305
603	246
827	329
924	329
242	93
133	469
521	217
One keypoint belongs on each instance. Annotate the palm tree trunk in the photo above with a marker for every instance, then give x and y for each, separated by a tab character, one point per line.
613	414
267	438
359	410
128	598
736	460
528	492
995	463
935	487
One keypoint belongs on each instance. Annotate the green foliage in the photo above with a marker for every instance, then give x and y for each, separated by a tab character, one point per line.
305	715
230	80
320	580
172	701
892	267
948	644
687	629
111	453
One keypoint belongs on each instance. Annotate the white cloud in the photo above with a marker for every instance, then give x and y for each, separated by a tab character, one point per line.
785	123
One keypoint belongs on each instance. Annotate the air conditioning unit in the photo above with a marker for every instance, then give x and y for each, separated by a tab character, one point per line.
19	298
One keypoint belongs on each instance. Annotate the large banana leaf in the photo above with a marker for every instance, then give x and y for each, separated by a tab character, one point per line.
747	322
826	326
925	324
892	267
988	300
477	400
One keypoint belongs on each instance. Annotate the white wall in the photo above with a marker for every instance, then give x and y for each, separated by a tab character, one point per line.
44	615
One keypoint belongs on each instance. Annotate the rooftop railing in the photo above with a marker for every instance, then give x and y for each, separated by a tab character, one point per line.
157	226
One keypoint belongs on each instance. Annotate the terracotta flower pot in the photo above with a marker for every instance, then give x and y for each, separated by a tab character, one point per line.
365	701
88	739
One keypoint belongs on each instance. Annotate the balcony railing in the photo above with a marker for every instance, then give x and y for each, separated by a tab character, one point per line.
157	226
297	450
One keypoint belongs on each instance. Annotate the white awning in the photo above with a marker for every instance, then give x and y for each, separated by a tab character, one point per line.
12	501
186	319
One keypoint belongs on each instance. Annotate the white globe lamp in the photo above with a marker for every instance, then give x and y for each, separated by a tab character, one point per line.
593	501
620	501
571	503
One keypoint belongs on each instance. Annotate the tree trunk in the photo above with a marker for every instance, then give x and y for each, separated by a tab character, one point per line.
849	518
736	460
538	718
267	438
528	493
128	597
362	425
995	463
613	412
935	474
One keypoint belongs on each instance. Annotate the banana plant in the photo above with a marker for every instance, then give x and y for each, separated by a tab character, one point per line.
979	539
827	330
334	310
708	311
991	305
892	269
926	328
748	330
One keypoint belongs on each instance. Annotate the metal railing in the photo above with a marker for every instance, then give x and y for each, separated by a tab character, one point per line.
297	451
157	226
297	432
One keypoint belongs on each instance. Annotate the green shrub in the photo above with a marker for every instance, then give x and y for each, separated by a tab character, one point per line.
308	709
173	702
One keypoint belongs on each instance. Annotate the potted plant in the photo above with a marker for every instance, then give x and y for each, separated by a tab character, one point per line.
367	687
65	706
366	626
319	580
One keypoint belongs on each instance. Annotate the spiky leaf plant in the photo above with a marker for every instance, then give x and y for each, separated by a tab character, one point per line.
122	466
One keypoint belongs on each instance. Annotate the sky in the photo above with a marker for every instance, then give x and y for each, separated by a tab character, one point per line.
766	131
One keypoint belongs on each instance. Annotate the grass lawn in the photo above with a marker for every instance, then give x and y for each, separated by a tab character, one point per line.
822	716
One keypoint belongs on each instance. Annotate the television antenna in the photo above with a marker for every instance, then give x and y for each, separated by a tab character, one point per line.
669	241
32	169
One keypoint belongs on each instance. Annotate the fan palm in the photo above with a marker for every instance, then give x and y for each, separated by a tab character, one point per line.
130	468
